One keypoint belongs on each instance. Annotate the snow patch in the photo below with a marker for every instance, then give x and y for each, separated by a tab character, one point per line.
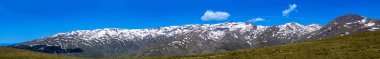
249	43
373	29
363	21
370	24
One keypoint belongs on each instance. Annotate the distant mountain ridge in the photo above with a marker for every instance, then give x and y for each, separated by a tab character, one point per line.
194	38
345	25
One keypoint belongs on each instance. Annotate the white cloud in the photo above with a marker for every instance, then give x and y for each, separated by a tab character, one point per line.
290	9
256	20
214	15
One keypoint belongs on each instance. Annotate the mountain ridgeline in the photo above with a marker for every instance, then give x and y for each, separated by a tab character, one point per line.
192	39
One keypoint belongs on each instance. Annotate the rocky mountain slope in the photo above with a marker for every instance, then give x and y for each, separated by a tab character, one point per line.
191	39
364	45
345	25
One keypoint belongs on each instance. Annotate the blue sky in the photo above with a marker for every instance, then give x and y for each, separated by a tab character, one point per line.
23	20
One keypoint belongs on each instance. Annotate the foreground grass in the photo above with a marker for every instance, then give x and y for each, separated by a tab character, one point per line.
358	46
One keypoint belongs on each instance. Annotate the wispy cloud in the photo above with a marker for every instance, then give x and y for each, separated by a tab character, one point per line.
215	15
290	9
256	20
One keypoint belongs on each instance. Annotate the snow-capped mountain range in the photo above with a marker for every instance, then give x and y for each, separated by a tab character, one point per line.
211	31
190	39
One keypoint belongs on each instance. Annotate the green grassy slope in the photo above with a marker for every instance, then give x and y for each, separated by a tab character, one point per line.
10	53
358	46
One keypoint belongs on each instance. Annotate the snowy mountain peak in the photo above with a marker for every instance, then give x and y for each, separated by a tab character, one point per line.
185	36
314	26
176	36
212	29
292	23
291	26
